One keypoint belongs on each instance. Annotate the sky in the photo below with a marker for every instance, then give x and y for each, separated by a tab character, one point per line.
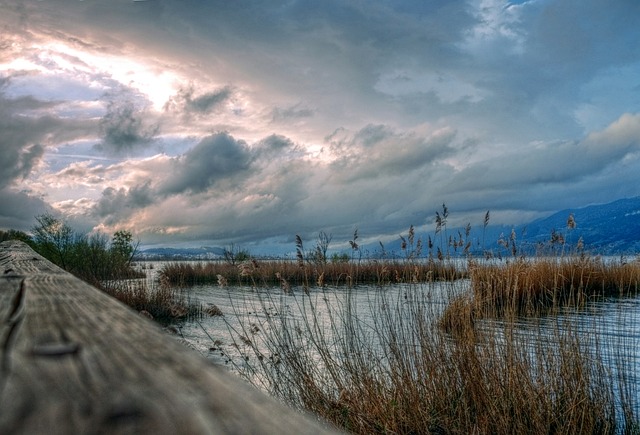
211	123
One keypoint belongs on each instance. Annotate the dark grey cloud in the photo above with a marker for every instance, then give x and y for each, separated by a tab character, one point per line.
209	101
188	100
562	164
586	35
374	24
330	52
124	129
277	147
118	204
17	161
215	158
21	138
295	112
535	67
19	209
26	130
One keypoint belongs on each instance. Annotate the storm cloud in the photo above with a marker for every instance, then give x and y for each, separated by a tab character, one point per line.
187	100
21	139
258	120
118	204
23	142
124	129
214	159
19	208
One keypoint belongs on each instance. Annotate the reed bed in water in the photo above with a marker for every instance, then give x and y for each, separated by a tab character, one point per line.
540	286
390	368
292	273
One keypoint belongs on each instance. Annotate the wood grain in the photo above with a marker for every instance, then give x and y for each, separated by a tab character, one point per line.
74	360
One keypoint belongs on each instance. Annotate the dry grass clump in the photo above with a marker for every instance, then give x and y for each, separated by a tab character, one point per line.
161	303
391	369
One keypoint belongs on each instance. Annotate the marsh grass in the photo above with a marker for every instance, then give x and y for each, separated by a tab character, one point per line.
542	286
392	368
160	302
295	274
495	353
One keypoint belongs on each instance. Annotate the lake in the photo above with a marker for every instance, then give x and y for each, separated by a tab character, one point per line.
240	339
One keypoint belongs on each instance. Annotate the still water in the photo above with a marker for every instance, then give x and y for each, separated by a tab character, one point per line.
609	328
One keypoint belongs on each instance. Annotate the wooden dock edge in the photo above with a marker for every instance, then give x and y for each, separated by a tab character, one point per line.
75	360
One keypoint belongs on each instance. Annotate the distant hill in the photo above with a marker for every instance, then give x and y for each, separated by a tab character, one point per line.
202	253
607	229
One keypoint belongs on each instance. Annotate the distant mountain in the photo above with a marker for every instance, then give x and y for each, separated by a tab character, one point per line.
204	253
606	229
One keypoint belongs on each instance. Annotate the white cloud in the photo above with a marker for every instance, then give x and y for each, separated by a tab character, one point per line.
498	28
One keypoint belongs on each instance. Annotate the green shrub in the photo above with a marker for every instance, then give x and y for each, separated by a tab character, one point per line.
93	258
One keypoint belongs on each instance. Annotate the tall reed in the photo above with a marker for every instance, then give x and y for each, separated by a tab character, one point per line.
540	286
390	368
487	355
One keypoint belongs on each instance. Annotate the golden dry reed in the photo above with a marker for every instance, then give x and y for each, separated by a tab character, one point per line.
475	367
541	286
395	370
269	272
404	365
161	303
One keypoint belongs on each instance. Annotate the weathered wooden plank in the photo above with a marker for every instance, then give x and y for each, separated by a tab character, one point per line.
74	360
